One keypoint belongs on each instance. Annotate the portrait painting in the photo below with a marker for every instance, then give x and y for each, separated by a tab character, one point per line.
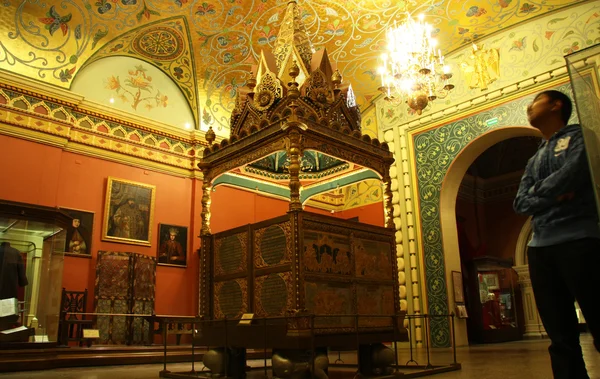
79	234
172	245
128	212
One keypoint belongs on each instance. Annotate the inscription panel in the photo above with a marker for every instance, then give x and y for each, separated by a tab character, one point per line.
230	298
273	245
273	296
230	254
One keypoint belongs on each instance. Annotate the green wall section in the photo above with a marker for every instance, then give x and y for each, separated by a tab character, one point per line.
435	150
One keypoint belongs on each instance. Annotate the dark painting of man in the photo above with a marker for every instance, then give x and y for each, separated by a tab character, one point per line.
129	212
79	234
172	245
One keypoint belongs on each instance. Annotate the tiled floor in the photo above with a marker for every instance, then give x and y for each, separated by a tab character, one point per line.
524	359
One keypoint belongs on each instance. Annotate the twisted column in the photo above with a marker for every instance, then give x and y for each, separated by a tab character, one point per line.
294	152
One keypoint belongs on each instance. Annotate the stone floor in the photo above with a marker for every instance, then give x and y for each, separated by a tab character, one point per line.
523	359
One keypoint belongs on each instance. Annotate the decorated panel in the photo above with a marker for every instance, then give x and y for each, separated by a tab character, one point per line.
373	259
327	253
125	283
273	294
330	298
231	254
375	300
272	245
112	276
230	299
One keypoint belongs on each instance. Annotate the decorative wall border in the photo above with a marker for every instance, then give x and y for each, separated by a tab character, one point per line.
434	150
81	128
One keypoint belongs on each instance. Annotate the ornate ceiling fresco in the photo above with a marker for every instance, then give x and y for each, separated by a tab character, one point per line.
208	47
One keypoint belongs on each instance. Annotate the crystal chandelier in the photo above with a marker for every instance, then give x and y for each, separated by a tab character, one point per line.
412	70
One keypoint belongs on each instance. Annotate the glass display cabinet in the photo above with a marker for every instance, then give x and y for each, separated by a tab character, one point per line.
32	244
493	300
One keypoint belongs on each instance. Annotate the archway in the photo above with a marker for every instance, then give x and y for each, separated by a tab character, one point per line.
448	197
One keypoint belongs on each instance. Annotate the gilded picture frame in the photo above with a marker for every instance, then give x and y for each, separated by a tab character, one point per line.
78	242
172	245
128	212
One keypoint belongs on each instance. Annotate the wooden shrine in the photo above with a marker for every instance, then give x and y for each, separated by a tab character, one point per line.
307	274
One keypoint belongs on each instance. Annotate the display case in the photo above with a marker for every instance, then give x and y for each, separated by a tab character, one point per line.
32	241
493	300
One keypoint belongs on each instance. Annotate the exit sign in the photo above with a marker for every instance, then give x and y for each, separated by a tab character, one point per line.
491	121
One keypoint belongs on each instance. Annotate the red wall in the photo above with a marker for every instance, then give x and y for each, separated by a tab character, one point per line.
44	175
49	176
369	214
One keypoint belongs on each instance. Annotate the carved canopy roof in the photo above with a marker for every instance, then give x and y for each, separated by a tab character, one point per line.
294	89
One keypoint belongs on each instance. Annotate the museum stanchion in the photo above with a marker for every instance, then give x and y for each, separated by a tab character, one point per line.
453	337
265	347
193	370
226	347
164	335
395	322
410	337
426	316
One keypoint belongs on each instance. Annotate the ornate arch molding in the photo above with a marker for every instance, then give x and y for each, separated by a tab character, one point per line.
175	59
522	241
441	156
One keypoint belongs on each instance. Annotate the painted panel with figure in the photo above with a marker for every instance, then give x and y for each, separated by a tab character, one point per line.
129	212
327	253
79	233
172	245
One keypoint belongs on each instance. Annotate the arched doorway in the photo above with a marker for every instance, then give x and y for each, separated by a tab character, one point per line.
448	199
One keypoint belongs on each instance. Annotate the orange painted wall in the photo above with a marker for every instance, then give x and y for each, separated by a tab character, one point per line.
232	207
369	214
49	176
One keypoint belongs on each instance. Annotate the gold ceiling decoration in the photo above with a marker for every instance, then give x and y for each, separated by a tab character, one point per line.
413	69
482	67
51	41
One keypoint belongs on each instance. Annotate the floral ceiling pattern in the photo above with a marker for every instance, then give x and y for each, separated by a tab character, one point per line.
208	47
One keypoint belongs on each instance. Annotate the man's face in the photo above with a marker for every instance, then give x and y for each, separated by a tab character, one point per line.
130	202
172	237
540	109
76	223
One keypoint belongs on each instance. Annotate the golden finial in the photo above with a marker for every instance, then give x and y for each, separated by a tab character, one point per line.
251	83
210	136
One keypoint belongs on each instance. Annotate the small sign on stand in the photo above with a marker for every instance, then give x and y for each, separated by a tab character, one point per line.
246	319
91	333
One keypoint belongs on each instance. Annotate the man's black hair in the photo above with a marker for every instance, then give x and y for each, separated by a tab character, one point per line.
567	105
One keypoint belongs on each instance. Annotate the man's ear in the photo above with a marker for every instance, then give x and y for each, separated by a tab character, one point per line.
557	105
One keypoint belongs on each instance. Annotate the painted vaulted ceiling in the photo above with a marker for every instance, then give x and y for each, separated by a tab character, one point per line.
208	47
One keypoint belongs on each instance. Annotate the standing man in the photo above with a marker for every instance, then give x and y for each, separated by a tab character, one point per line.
564	252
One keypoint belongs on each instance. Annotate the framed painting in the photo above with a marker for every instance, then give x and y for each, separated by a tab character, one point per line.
172	245
128	212
79	234
491	280
457	284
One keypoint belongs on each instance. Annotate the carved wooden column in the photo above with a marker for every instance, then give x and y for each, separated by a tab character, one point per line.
387	201
294	152
205	244
205	213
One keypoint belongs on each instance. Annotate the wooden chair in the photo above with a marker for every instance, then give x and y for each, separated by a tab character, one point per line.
70	325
